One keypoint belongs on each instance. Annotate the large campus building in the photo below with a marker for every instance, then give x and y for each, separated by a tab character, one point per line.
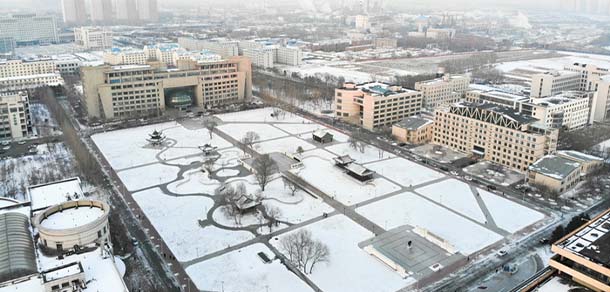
495	133
445	90
29	28
376	105
569	110
116	92
562	171
93	38
20	74
15	119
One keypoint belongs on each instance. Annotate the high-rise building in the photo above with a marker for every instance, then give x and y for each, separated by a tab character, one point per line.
126	11
93	38
29	28
148	10
119	92
376	105
101	11
448	89
15	120
74	11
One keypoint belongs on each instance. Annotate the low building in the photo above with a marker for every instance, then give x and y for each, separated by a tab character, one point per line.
554	82
222	47
322	136
569	110
125	56
562	171
73	224
413	130
118	92
494	133
359	172
17	256
343	161
31	81
93	38
445	90
376	105
70	277
262	58
386	43
15	119
164	53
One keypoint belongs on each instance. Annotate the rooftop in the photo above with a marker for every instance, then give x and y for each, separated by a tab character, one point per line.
72	217
592	240
413	123
382	89
17	257
555	166
579	156
49	194
507	112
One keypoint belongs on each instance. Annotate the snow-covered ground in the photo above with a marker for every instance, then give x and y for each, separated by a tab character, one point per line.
455	195
286	145
333	181
509	215
194	182
294	209
261	115
411	209
244	271
146	176
300	128
349	268
264	131
404	172
370	153
177	221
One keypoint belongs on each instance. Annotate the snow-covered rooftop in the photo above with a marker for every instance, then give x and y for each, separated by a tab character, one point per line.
555	166
46	195
72	218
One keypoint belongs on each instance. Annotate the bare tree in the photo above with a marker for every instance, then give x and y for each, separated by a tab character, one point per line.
288	184
249	139
264	167
303	251
210	124
230	196
353	142
273	215
362	146
300	150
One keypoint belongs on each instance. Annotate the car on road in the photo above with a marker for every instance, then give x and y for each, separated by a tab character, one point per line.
443	168
468	178
22	142
501	253
394	144
453	172
6	147
134	241
5	143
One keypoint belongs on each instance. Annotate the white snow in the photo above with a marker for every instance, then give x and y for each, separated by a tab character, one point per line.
408	208
264	131
287	145
72	218
335	183
176	219
194	182
323	154
455	195
294	209
404	172
300	128
554	285
147	176
43	196
227	172
244	271
260	115
509	215
370	153
349	268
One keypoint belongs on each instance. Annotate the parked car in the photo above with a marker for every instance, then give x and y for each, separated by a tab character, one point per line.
501	253
468	178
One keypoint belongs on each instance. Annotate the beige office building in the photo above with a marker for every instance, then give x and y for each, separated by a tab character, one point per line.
222	47
554	82
445	90
93	38
15	120
569	110
376	105
494	133
601	102
413	130
128	56
562	171
117	92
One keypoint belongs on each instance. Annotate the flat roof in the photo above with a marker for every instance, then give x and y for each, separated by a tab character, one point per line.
555	166
413	123
579	156
383	89
591	241
509	113
49	194
17	257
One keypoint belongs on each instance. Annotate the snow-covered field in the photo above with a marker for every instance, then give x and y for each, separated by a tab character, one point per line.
194	182
349	268
370	153
404	172
146	176
286	145
264	131
455	195
411	209
300	128
509	215
244	271
177	221
260	115
330	179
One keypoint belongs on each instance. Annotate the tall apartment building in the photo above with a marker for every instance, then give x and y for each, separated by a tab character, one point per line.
569	110
495	133
292	56
262	58
222	47
589	75
93	38
148	10
600	108
15	120
125	56
375	105
117	92
101	11
29	28
126	11
74	11
445	90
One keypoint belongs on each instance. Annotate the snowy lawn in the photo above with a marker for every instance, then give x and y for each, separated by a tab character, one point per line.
264	131
405	172
177	221
260	115
320	153
509	215
295	129
349	268
147	176
194	182
456	196
411	209
294	209
285	145
330	179
244	271
370	153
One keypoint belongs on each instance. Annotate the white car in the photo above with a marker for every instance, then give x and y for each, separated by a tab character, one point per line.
453	172
502	253
468	178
